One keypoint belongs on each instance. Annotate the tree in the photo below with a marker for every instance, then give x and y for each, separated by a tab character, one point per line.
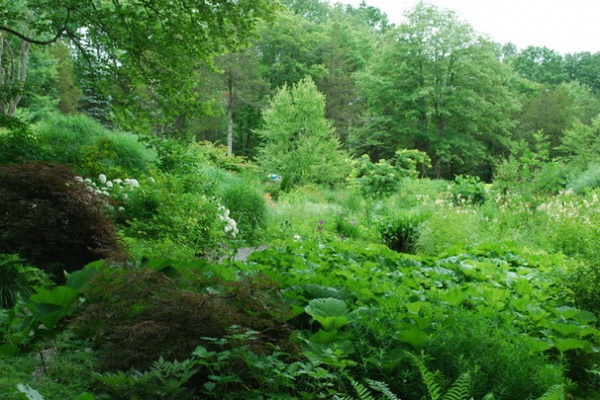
347	45
245	92
158	43
69	94
541	64
437	87
288	50
585	68
555	110
299	143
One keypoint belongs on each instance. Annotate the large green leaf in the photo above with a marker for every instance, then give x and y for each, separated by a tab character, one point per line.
330	313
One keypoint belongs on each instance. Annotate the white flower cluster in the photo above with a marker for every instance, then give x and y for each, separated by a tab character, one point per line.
230	224
568	206
116	188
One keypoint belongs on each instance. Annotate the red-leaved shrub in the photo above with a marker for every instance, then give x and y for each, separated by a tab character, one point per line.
53	221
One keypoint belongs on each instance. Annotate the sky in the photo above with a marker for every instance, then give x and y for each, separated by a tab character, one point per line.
566	26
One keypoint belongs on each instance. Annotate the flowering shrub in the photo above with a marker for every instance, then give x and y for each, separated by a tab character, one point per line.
230	224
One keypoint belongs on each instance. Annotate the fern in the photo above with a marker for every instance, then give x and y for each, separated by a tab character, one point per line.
175	371
364	393
361	390
433	388
556	392
383	388
460	388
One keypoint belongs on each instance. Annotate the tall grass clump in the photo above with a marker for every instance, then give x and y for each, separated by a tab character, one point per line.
62	137
450	227
89	147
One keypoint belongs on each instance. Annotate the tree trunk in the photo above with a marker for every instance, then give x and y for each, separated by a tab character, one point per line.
230	116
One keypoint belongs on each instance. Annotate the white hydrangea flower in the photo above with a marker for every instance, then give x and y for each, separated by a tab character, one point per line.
132	182
109	184
102	178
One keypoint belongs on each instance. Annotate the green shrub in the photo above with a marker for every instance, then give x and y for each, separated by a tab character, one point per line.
448	227
247	207
498	356
17	142
400	232
52	220
586	181
378	179
190	220
468	190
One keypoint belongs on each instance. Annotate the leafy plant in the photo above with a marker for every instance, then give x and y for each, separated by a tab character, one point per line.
375	179
468	190
18	279
401	232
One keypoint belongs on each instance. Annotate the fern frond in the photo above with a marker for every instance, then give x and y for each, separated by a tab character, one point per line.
429	378
556	392
460	388
383	388
361	390
489	396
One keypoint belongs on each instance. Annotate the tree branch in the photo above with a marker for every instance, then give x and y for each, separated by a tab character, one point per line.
31	40
35	41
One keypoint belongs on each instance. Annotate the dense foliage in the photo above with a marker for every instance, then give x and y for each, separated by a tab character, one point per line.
312	256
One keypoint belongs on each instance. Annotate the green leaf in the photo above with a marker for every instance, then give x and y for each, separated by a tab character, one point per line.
80	279
330	313
60	296
85	396
563	345
415	337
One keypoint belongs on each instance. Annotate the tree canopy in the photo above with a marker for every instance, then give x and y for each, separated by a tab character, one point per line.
438	87
299	143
